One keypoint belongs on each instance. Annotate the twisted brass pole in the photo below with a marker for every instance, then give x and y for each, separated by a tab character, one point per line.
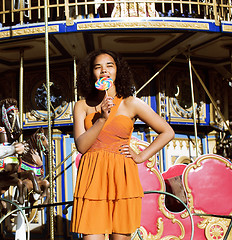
21	93
51	217
74	78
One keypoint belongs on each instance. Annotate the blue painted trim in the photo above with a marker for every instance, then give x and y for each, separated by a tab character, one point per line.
204	142
45	125
211	137
153	103
164	160
226	27
207	110
188	123
63	28
186	136
211	23
62	170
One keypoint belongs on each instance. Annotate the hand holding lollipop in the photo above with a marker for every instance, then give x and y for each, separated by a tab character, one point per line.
104	84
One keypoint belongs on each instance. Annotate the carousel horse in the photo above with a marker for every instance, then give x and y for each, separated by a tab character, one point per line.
9	134
31	159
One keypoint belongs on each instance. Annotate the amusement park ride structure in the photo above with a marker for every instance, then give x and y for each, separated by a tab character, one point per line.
181	55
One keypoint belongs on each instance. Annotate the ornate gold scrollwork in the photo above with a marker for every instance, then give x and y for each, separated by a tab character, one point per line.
215	228
197	164
160	228
28	31
138	145
136	24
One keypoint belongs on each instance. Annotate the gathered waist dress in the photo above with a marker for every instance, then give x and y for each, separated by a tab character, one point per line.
108	191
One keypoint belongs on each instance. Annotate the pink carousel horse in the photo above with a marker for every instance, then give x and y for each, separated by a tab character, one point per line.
31	159
9	133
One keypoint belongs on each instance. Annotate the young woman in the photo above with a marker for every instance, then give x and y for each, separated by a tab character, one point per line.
107	198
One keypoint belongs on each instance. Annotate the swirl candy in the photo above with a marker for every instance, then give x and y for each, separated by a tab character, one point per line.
103	83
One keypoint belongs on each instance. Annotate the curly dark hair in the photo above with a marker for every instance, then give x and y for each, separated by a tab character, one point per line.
124	82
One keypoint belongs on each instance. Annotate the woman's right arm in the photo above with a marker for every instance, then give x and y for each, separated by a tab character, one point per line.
6	151
83	138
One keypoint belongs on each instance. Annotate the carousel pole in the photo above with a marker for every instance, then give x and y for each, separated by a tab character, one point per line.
20	233
156	74
74	78
212	100
193	101
141	88
21	92
49	121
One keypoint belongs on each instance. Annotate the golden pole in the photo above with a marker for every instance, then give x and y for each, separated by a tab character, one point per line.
212	100
49	121
21	93
156	74
21	12
75	78
193	102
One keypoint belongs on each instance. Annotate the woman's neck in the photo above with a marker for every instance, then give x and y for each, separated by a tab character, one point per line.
111	91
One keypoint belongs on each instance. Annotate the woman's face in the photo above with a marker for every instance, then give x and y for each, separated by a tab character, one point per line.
104	66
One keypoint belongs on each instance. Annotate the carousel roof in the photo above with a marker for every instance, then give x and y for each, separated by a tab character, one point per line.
139	39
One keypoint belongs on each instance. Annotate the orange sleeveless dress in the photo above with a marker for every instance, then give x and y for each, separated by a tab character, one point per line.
108	191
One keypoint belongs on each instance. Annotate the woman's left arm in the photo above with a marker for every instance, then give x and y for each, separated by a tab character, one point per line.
146	114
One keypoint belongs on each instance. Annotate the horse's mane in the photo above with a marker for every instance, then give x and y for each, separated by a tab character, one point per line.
7	102
31	147
32	141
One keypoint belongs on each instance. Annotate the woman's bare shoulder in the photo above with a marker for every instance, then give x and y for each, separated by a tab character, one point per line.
133	106
133	101
80	105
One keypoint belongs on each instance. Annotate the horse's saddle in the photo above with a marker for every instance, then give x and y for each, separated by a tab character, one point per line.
37	170
8	160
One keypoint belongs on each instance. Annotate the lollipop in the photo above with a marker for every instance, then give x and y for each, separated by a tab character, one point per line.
103	84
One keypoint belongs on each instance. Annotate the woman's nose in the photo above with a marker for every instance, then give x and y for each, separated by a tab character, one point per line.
103	70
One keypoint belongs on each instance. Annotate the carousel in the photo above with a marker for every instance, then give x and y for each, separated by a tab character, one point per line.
180	53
